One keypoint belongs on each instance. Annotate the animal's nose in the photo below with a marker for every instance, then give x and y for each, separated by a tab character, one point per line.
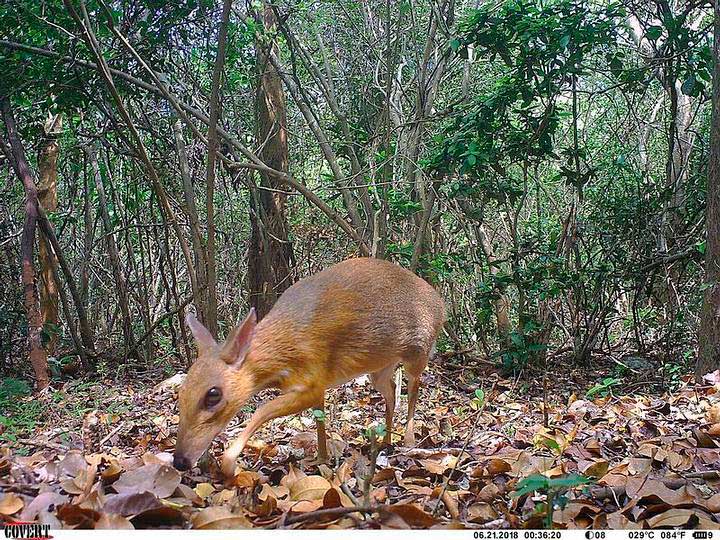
181	463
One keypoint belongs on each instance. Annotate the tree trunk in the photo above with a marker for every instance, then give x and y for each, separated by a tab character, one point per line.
197	244
709	337
81	348
114	256
270	260
429	79
47	196
681	139
501	303
59	259
209	312
191	210
38	357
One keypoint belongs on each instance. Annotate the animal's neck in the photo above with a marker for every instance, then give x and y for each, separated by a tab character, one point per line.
274	350
275	339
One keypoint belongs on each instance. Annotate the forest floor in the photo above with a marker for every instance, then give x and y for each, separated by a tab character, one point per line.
610	452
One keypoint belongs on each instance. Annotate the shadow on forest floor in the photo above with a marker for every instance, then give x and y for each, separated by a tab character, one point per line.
616	452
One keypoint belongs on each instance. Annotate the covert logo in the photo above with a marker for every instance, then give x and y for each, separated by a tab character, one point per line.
27	530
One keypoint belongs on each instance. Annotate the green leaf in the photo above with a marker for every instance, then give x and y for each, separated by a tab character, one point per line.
571	480
517	339
689	85
480	395
535	482
539	482
654	32
602	388
319	415
551	443
455	44
375	433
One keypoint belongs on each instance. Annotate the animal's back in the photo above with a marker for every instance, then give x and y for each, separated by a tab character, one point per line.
354	317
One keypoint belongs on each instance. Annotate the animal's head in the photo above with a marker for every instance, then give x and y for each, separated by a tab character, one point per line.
215	389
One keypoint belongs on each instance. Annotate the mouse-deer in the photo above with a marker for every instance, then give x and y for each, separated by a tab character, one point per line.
359	316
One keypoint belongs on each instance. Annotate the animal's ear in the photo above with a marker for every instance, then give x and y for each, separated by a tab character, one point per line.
202	335
237	343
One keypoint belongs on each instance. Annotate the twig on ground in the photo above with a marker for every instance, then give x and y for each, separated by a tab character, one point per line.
374	451
704	475
423	453
107	437
44	444
347	491
24	489
331	513
464	448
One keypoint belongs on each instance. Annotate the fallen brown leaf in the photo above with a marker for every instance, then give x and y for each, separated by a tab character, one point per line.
308	488
156	478
131	504
412	515
219	517
113	521
204	490
481	512
10	504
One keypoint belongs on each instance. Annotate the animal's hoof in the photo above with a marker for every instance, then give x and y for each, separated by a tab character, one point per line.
228	466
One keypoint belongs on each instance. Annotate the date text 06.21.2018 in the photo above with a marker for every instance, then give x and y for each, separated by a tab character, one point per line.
517	535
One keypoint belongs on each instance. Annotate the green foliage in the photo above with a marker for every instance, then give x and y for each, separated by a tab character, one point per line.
553	488
540	482
691	59
375	433
401	204
444	266
478	401
401	252
56	365
18	415
48	331
12	389
240	59
521	348
603	388
673	372
540	50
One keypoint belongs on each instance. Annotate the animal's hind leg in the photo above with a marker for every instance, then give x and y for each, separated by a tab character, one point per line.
414	367
383	381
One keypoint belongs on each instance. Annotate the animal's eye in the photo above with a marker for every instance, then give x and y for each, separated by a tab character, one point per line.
213	397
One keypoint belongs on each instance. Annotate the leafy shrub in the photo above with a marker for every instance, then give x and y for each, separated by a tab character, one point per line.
17	415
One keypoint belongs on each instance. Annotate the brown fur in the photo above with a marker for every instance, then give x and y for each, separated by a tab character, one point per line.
356	317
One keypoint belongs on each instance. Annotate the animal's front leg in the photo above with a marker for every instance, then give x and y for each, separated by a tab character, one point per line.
290	403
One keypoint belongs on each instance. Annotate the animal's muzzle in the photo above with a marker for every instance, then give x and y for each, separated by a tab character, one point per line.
181	463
